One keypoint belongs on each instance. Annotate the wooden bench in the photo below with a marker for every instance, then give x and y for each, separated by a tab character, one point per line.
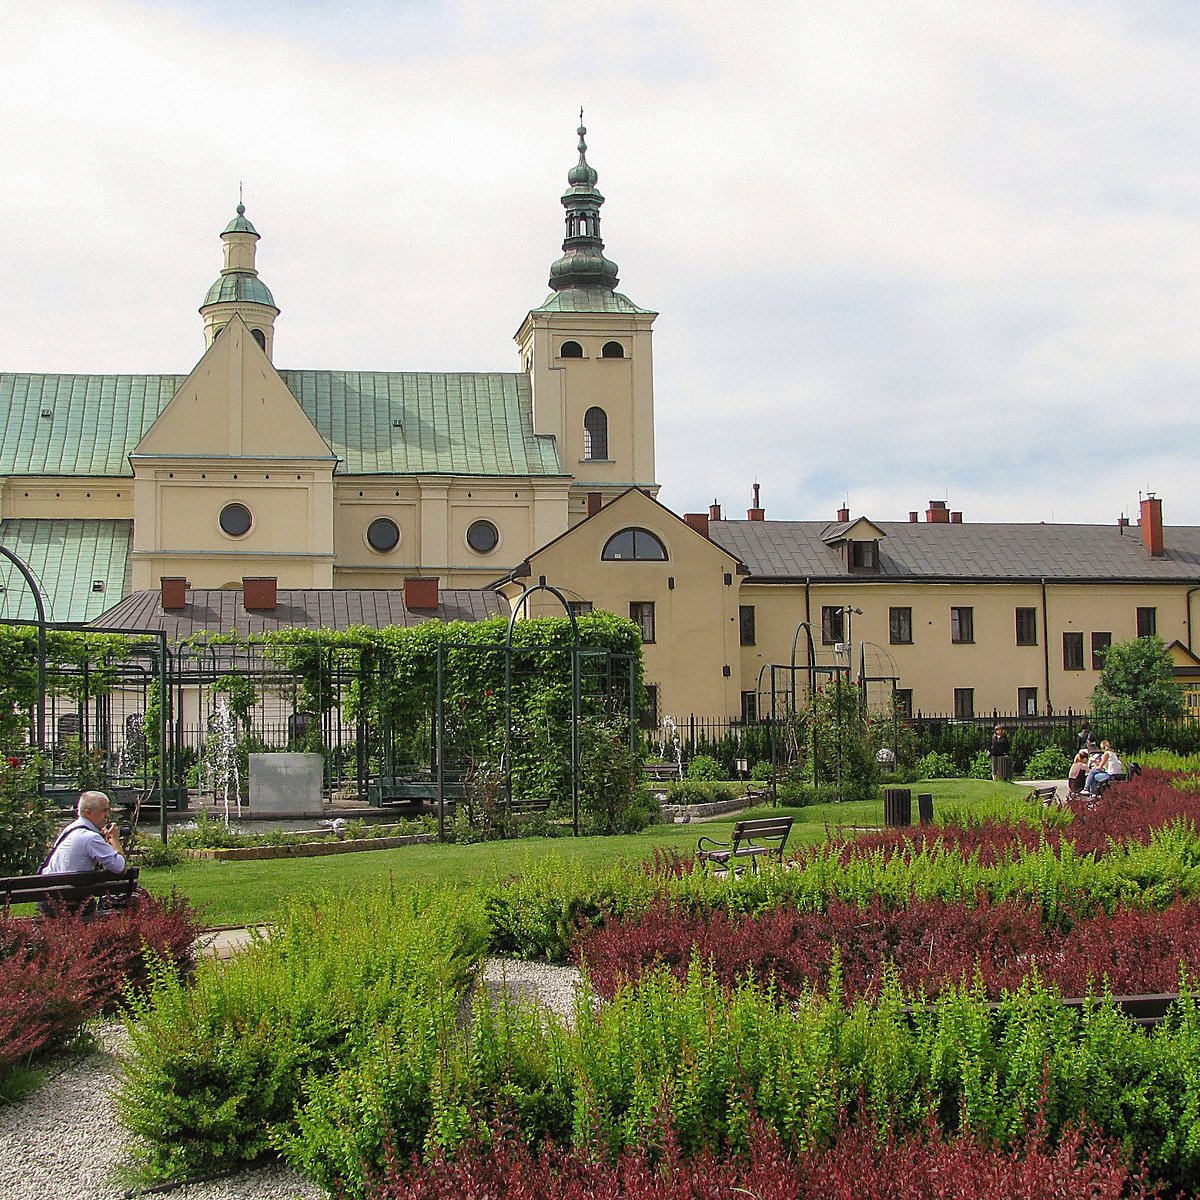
1043	795
69	888
751	839
401	789
662	772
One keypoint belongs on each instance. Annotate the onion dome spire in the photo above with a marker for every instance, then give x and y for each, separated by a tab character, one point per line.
583	264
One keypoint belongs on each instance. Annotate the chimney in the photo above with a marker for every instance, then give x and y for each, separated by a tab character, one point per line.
420	593
714	511
755	513
174	593
1151	525
698	522
595	501
1122	523
937	513
913	516
259	593
844	514
956	518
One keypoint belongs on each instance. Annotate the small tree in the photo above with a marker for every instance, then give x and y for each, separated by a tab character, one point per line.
27	820
1137	683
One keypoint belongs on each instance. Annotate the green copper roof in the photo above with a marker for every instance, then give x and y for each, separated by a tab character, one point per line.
239	286
468	424
77	424
583	264
68	558
239	224
579	299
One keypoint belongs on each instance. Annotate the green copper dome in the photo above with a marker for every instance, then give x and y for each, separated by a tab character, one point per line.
239	224
248	289
583	264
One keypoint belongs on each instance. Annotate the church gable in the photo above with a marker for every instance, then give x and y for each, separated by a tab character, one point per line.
233	404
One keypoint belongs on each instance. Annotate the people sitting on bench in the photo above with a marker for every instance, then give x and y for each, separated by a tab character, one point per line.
89	843
1078	772
1108	768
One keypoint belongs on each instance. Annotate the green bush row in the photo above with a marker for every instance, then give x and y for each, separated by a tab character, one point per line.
534	916
217	1069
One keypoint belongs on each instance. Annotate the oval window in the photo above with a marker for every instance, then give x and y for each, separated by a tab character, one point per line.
383	534
483	537
236	520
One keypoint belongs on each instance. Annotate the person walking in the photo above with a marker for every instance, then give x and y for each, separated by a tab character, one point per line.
1001	754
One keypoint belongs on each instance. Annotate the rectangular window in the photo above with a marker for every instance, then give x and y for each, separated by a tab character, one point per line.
864	556
580	608
1072	651
641	613
904	708
1027	627
833	624
900	626
746	624
1147	622
749	707
1027	702
1100	645
648	718
962	624
964	703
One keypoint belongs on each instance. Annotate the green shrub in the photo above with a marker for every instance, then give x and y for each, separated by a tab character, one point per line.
1049	763
798	793
27	820
761	772
981	766
936	765
704	766
692	791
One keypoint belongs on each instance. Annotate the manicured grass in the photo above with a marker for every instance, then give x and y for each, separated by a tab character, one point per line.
242	893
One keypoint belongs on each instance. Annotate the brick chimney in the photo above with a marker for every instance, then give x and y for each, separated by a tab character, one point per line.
756	513
843	514
174	592
1151	525
956	518
697	521
913	517
259	593
714	511
420	593
937	513
595	502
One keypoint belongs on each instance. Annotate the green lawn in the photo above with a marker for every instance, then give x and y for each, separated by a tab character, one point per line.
240	893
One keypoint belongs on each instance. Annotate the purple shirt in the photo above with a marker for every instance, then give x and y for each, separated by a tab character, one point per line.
84	849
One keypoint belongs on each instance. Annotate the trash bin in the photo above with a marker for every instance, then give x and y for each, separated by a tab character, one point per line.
1002	767
897	806
925	807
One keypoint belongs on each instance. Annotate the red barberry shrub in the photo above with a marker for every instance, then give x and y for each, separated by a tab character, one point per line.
58	971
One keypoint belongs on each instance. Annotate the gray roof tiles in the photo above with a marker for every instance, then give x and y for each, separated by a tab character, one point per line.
794	550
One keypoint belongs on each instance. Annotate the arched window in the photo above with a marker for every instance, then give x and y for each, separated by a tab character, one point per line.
570	350
612	350
261	338
595	435
638	545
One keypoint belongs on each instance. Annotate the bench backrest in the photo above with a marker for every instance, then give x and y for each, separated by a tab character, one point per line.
66	886
764	829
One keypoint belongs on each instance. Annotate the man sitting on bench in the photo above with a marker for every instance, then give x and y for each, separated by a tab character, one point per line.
89	843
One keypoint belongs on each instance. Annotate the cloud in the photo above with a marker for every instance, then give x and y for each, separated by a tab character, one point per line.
897	250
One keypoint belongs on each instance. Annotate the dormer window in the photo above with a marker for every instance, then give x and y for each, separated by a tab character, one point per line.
863	556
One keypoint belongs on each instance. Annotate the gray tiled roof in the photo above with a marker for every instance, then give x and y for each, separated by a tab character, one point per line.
67	558
794	550
450	423
220	611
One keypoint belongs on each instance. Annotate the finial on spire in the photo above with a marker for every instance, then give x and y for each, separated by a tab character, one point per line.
583	263
241	208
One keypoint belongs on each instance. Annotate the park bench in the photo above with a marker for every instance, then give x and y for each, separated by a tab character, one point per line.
1043	795
413	789
70	888
661	772
751	840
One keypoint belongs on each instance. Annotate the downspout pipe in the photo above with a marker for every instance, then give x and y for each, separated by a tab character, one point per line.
1046	648
1188	605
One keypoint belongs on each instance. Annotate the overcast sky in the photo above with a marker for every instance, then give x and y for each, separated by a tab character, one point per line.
935	249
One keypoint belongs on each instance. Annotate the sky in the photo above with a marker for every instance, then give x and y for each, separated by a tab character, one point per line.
900	252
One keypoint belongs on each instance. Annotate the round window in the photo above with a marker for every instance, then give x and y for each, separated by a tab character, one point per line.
383	534
483	537
236	520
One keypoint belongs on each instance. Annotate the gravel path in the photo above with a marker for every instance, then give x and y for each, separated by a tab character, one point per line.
64	1142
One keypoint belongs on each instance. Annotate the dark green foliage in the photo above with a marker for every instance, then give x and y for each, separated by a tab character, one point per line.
613	794
1050	763
705	768
980	768
27	820
1137	684
937	766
